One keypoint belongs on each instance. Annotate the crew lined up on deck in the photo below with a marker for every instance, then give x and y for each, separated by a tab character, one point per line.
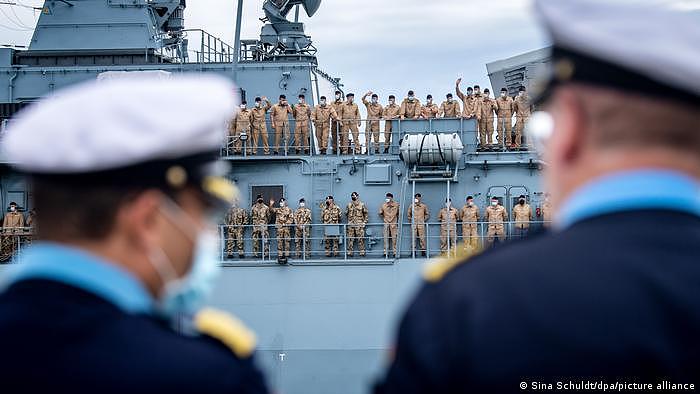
340	119
357	214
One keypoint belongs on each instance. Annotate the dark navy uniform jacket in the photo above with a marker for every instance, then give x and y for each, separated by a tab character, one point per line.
614	293
72	324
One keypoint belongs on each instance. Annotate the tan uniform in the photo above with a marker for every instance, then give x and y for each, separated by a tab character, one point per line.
357	219
284	219
260	216
337	127
236	220
496	216
546	214
260	128
331	215
241	123
390	212
522	215
280	122
374	114
504	110
323	117
12	226
351	116
422	215
522	115
448	229
410	109
429	111
471	105
488	106
469	215
391	111
302	114
302	231
450	109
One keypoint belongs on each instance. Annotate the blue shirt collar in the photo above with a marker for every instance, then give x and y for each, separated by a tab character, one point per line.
632	190
78	268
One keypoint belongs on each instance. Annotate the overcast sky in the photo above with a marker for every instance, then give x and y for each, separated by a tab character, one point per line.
388	46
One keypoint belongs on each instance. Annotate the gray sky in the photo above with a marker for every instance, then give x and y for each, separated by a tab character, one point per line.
388	46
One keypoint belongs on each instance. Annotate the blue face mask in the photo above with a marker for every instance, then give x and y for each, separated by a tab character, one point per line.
188	294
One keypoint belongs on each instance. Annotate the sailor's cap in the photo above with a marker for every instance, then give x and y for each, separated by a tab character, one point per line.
645	49
135	131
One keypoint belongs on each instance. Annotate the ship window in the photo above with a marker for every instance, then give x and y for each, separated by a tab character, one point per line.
268	192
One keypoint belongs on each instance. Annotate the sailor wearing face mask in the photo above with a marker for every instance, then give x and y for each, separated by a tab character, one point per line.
323	116
391	111
111	291
337	126
522	108
430	109
302	229
12	223
522	215
389	211
449	108
504	123
374	113
240	124
410	107
496	216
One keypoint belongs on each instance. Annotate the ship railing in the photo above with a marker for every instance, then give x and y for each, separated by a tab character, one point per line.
312	239
13	242
287	139
315	242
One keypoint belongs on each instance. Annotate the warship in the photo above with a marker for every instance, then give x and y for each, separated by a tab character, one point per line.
324	324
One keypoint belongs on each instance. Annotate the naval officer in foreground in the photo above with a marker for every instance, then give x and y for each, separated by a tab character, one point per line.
612	295
126	179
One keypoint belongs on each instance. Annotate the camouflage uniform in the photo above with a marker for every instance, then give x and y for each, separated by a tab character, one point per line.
357	219
469	215
236	219
448	229
390	212
260	216
331	215
302	231
12	226
284	220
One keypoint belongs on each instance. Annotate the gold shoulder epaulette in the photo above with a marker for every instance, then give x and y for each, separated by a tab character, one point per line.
437	270
227	329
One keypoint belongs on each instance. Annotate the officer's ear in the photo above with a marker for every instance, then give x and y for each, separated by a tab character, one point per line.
139	219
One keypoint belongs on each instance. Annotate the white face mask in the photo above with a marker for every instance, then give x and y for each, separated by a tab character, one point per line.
470	203
387	200
521	94
429	101
242	106
301	204
189	293
503	94
13	209
374	101
323	102
411	98
449	99
416	201
447	204
494	203
392	101
282	204
257	104
337	97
